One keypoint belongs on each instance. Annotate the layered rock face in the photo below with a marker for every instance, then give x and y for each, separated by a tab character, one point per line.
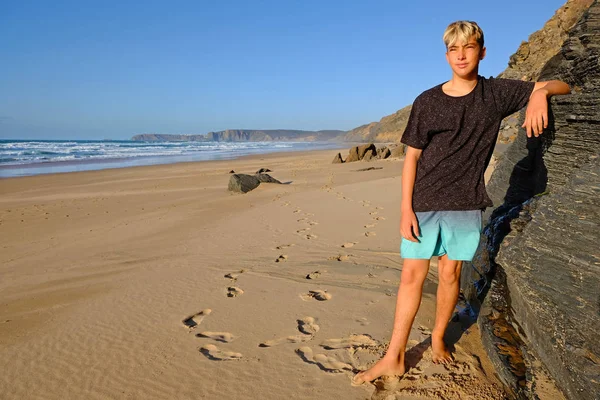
532	55
544	237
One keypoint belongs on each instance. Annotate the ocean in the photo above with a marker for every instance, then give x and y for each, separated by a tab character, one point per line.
34	157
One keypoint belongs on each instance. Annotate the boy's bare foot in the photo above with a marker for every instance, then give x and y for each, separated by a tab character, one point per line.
441	355
383	367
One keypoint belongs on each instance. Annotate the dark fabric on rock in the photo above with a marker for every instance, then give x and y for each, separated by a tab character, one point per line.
457	136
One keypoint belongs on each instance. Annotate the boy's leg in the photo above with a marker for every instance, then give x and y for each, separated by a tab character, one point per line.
447	296
414	272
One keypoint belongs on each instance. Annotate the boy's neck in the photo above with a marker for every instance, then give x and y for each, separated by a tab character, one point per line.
460	86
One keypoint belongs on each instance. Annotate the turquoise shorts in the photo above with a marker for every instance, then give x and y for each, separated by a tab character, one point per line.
455	233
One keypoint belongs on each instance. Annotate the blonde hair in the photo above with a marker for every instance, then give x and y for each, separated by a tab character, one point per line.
463	31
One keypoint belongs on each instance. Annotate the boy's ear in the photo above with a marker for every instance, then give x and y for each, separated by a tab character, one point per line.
482	54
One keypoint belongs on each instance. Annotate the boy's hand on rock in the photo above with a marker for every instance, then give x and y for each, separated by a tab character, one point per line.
536	116
409	226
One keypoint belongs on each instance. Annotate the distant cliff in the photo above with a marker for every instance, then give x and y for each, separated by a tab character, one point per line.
247	135
388	129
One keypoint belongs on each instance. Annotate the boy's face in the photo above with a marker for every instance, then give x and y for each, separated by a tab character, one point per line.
464	58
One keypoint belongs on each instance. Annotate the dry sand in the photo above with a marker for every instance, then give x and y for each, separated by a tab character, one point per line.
157	283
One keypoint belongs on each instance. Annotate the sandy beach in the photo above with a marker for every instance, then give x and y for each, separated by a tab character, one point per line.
158	283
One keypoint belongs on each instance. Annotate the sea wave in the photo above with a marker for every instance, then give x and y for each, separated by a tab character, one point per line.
32	157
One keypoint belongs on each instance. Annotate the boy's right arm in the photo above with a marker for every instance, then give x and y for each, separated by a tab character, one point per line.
409	227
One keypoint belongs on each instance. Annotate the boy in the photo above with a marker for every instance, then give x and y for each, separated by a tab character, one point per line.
450	136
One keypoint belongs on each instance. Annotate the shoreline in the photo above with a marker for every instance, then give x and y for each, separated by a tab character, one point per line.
96	164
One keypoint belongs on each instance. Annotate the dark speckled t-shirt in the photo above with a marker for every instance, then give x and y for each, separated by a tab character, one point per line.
458	135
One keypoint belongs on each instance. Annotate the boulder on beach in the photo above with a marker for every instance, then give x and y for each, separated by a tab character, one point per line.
398	151
338	159
243	183
263	170
266	178
357	153
362	150
383	152
368	155
352	155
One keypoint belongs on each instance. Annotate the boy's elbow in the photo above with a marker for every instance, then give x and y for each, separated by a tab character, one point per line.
561	87
552	88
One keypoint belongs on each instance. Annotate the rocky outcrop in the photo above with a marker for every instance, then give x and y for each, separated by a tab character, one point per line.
368	152
247	135
338	159
532	55
542	240
242	183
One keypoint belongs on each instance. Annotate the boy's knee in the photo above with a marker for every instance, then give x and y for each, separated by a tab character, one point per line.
449	271
449	275
414	275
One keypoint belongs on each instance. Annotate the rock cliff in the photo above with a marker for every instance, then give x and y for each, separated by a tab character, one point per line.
388	129
247	135
541	315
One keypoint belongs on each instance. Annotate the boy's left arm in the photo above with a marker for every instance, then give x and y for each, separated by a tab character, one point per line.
536	116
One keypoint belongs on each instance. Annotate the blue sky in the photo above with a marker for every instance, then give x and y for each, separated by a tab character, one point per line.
95	70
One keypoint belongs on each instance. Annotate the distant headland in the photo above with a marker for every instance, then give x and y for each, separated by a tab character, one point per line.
247	135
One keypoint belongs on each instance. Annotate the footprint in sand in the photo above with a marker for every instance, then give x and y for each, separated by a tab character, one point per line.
302	219
311	236
379	218
320	295
370	226
351	341
233	291
194	320
231	276
301	231
379	208
313	275
289	339
313	223
349	244
281	258
213	353
373	213
323	361
307	327
284	246
296	211
367	234
341	257
223	337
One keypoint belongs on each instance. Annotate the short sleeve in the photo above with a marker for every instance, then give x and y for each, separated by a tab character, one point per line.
511	95
415	134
